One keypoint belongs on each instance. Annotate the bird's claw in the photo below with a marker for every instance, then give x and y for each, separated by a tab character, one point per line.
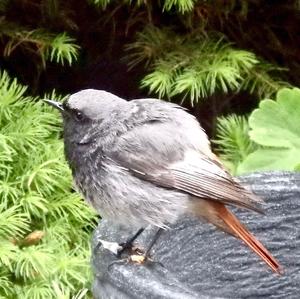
135	254
126	246
138	259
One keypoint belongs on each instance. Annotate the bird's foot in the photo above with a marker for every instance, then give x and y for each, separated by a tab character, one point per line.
124	247
135	254
138	256
116	248
128	245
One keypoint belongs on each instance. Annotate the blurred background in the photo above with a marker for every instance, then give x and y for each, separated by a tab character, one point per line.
234	64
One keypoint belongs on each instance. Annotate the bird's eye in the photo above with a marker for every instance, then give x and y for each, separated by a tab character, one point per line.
79	115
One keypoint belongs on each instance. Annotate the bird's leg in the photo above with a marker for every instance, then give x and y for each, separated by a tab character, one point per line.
116	248
137	256
153	241
142	258
128	243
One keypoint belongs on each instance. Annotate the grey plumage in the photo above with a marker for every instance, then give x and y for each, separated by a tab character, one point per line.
149	161
143	161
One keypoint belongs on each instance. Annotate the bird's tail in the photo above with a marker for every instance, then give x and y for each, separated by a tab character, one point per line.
217	214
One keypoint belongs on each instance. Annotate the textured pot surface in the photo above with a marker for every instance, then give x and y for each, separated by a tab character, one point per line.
194	260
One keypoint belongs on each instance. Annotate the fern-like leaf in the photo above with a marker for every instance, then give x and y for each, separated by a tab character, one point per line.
13	223
34	261
8	254
181	5
37	289
232	139
63	49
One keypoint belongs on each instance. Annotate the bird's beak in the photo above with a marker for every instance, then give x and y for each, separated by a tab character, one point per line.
55	104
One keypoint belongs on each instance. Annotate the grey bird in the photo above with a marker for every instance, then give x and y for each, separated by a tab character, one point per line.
147	161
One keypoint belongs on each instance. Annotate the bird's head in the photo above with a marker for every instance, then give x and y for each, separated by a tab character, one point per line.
85	112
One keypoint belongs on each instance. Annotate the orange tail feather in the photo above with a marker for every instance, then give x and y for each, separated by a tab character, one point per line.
234	224
217	214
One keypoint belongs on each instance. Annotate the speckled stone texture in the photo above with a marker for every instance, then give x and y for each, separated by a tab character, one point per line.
194	260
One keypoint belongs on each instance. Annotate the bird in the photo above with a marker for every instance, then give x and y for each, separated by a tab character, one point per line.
149	161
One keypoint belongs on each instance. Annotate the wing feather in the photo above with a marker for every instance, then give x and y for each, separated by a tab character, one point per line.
174	152
211	182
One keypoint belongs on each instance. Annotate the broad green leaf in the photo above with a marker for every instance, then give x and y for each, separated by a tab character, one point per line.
270	159
277	123
297	167
275	126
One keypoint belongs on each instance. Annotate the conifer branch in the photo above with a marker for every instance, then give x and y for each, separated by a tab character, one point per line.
44	226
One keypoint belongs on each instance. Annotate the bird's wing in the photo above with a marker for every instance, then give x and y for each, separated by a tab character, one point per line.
165	154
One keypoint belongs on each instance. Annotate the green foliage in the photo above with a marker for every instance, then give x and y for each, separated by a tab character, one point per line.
63	294
263	80
182	6
44	225
198	65
269	140
275	127
13	222
101	3
194	49
62	48
59	48
233	141
150	44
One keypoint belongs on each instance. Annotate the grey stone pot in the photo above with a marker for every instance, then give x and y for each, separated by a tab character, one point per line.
194	260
